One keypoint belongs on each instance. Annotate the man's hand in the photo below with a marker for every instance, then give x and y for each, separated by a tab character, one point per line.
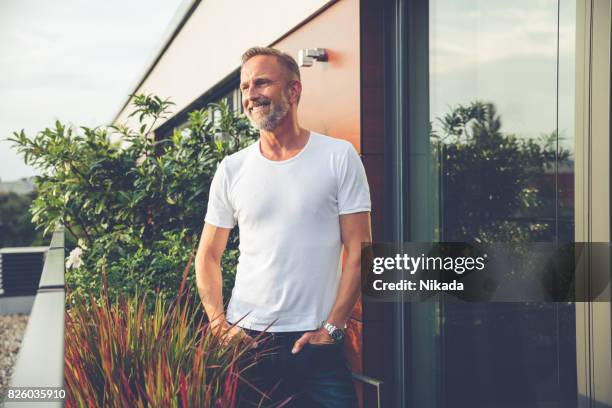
319	337
228	333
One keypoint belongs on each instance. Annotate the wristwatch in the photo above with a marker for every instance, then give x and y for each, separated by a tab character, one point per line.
335	333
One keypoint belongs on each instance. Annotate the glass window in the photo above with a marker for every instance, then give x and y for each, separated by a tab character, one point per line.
233	101
501	164
501	94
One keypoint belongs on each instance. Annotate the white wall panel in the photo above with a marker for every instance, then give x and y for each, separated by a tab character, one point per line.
211	42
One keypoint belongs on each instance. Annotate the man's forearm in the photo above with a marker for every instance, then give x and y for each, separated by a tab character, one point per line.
355	229
348	291
210	285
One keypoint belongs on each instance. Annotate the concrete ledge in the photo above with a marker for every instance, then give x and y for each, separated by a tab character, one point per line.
41	356
53	269
40	362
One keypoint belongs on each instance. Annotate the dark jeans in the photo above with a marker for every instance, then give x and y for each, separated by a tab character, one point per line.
317	376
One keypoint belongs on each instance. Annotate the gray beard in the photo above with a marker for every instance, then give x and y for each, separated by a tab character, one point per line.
273	118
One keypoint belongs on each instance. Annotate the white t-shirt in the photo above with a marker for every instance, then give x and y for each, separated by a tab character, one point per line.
288	214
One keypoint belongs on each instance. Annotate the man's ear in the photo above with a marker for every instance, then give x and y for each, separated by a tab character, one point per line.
294	89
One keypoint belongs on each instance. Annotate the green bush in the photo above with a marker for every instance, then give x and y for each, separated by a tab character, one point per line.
133	201
16	229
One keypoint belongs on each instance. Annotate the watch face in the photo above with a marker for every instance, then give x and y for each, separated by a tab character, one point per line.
337	335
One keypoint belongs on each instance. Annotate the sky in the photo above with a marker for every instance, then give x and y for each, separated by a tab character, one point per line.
497	52
72	60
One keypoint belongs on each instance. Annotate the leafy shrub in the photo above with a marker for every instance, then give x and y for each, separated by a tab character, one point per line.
131	200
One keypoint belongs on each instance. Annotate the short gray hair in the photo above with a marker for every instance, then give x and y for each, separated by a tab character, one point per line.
284	59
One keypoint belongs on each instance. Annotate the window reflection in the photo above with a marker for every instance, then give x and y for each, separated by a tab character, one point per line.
502	141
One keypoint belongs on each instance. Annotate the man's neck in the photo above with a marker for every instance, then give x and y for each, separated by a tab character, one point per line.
283	142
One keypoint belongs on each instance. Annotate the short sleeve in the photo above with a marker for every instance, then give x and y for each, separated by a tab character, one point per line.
220	211
353	190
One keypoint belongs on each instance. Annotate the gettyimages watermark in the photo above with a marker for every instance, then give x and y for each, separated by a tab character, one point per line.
501	272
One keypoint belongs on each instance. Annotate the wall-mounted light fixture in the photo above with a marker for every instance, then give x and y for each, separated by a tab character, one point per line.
307	56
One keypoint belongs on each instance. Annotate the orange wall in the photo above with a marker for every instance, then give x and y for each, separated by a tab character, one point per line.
330	95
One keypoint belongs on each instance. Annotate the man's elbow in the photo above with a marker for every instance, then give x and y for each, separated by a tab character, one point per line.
205	258
203	269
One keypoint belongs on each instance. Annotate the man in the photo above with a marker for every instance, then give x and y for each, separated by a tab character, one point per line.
297	197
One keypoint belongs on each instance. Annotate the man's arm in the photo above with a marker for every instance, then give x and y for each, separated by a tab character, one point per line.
208	271
355	229
209	280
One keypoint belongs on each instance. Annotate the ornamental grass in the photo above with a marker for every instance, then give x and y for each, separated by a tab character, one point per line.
118	354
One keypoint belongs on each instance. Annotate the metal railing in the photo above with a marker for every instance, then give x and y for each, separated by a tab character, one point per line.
373	382
40	362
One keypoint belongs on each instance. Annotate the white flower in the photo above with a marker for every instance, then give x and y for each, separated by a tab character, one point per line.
74	259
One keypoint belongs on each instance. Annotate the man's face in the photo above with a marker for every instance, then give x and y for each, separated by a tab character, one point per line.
263	83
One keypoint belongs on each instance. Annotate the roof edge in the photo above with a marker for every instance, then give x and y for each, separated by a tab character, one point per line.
181	16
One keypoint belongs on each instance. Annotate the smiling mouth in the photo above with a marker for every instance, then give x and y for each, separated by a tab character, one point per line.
259	107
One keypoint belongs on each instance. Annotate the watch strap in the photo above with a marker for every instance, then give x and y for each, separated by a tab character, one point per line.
336	333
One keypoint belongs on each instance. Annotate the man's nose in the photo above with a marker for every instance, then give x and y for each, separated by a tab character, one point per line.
251	93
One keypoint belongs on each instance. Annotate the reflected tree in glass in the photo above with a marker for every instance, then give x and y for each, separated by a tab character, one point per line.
494	187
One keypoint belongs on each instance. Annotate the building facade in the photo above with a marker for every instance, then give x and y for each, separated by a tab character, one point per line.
475	121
